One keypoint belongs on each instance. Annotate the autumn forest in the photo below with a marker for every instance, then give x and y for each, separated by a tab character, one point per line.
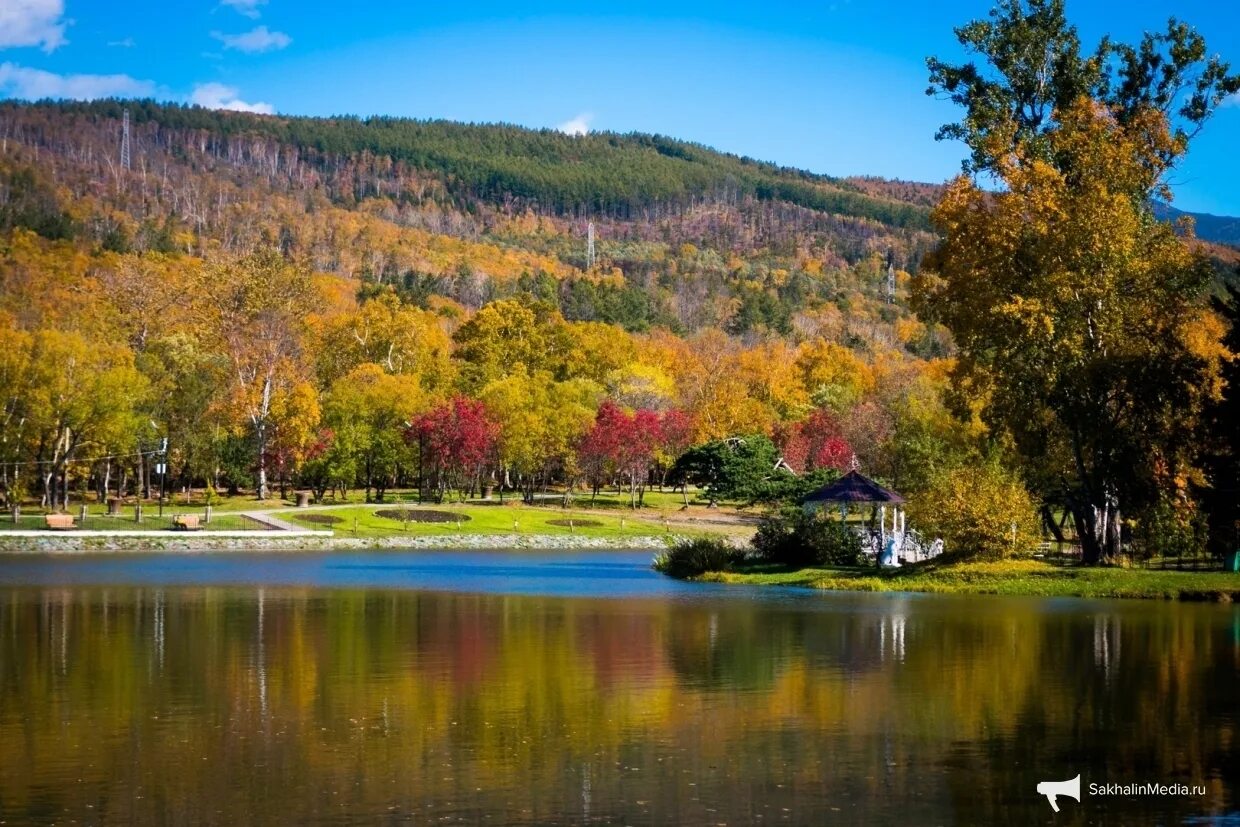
350	306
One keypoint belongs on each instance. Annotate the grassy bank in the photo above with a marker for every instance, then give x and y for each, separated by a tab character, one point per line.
372	521
1023	577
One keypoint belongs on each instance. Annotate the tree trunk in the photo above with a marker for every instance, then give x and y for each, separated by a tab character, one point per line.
260	432
105	480
1100	530
1048	521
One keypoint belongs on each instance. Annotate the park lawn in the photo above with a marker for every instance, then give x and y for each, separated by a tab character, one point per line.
496	519
1012	577
97	520
607	500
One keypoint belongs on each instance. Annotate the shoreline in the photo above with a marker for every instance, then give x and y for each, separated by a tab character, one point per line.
1028	578
279	541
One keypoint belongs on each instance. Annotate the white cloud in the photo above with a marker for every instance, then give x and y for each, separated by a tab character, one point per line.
247	7
1232	100
32	23
259	39
579	125
34	84
124	43
219	96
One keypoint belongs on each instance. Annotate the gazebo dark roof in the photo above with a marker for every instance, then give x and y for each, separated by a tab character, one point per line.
853	488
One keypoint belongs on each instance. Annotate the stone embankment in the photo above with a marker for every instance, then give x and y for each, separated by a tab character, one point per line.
77	543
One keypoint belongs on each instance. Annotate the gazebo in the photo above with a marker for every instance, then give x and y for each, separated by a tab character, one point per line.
854	487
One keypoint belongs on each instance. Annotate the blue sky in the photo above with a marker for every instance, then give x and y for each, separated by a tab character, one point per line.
834	87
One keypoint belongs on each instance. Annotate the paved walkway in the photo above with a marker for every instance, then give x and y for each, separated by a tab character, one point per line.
268	518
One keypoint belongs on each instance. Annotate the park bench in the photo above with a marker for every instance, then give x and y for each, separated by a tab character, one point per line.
185	522
59	522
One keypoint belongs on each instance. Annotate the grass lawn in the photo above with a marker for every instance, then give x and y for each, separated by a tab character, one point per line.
98	520
607	500
364	521
1015	577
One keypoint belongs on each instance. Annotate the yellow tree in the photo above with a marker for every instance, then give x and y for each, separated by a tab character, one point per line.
401	338
258	304
15	368
81	396
539	420
1071	306
501	338
368	412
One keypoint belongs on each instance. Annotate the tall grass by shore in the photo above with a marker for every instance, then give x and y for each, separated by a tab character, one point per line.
1009	577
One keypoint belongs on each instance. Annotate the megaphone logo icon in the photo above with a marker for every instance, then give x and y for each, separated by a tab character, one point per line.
1052	789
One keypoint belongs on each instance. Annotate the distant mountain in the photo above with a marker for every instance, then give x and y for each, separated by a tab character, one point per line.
1221	229
685	237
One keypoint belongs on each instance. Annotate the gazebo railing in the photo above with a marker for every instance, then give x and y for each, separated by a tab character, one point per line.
913	547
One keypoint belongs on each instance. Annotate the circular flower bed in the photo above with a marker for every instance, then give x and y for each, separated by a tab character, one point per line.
420	516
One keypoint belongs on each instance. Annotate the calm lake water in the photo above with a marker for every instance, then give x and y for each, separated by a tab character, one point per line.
583	688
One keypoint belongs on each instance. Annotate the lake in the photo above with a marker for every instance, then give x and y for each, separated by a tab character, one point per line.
523	688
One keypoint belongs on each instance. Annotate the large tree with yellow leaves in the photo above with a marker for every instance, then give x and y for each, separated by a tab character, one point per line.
1079	317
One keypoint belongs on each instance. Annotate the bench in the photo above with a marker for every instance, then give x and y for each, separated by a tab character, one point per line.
185	522
59	522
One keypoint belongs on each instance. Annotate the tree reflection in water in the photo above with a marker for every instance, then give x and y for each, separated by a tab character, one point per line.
232	705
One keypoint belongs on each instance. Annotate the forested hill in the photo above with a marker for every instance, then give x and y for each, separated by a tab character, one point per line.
606	174
1221	229
686	237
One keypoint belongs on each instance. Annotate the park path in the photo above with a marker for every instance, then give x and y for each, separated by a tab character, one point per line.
268	518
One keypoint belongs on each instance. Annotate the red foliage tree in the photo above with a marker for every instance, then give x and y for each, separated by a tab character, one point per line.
815	442
457	440
677	427
620	444
598	448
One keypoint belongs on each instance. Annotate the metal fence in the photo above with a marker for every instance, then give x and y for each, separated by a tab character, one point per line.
130	520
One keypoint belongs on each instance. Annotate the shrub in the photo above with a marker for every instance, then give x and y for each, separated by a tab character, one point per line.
794	538
973	509
689	558
1170	528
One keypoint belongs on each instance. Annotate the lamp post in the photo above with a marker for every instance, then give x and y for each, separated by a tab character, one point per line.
163	474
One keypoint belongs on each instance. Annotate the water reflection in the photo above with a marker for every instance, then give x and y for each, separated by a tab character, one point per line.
212	704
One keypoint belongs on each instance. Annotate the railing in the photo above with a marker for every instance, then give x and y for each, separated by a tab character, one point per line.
129	521
912	547
1196	562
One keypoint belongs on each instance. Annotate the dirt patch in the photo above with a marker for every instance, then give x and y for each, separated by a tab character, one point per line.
318	519
420	516
575	523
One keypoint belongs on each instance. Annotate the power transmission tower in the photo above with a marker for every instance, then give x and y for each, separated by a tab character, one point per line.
590	245
891	278
125	140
